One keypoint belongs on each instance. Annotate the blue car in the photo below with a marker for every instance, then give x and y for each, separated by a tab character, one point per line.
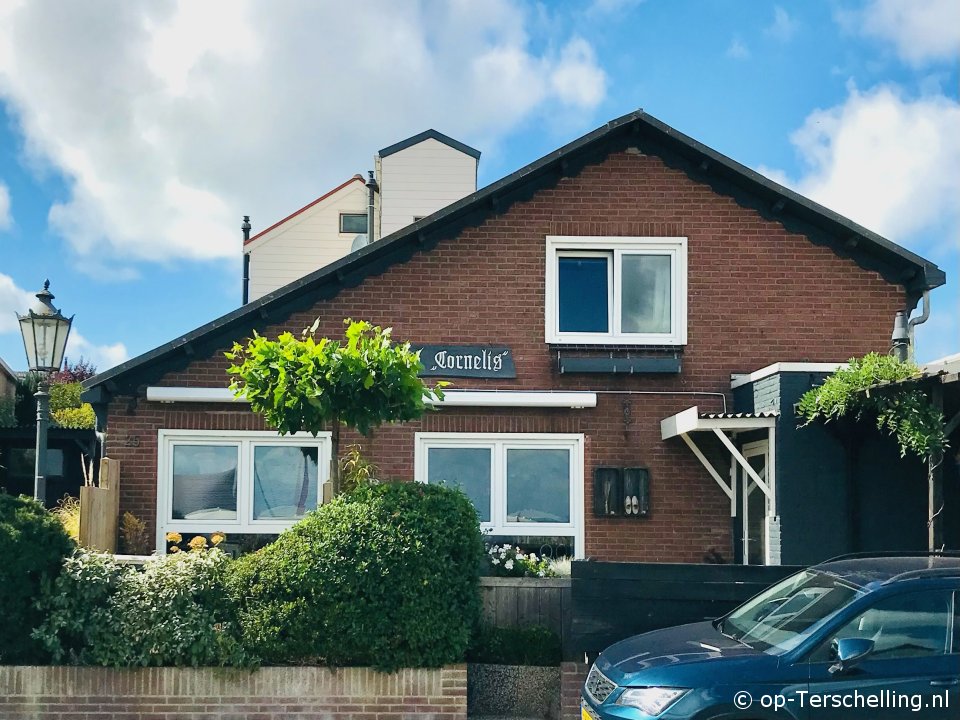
870	637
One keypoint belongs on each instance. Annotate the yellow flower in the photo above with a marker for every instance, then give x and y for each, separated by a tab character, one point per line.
174	537
217	538
198	543
175	549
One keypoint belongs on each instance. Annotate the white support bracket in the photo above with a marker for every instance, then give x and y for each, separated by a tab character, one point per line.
729	490
747	468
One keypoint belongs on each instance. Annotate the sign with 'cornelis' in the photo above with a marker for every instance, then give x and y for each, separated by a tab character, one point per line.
472	361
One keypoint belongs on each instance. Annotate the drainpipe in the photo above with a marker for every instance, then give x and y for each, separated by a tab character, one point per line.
246	259
372	189
900	340
924	316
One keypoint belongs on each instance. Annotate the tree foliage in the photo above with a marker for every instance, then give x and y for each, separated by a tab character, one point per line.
309	384
864	389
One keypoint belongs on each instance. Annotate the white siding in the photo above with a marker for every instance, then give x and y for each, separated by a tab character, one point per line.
421	179
305	242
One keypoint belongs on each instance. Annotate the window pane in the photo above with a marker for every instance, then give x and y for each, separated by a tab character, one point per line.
646	294
465	468
350	223
538	486
583	294
903	626
204	482
284	481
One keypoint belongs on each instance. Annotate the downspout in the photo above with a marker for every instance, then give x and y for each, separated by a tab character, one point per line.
372	189
924	316
246	259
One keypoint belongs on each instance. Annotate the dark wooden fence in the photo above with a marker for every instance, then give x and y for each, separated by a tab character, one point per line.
612	601
512	602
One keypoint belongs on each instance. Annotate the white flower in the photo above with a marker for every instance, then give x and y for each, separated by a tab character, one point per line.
541	574
495	561
508	564
533	557
507	547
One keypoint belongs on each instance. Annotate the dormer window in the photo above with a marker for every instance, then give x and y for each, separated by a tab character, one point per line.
616	290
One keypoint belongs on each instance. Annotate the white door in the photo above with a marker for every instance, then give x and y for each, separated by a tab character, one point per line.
756	505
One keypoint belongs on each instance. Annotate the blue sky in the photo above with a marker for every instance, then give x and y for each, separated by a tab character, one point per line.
133	136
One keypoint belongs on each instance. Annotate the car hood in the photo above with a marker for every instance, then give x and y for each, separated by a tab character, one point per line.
672	655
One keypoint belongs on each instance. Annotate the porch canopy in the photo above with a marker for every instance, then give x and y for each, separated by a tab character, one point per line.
685	424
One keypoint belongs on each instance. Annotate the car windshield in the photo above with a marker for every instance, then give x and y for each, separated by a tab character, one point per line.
777	620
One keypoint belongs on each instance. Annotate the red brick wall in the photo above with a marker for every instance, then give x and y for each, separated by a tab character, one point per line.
277	693
756	295
572	677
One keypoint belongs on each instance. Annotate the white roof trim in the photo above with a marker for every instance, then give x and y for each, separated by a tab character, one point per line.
690	421
452	398
736	380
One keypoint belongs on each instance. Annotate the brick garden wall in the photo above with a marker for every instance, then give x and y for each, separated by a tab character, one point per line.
572	677
757	294
277	693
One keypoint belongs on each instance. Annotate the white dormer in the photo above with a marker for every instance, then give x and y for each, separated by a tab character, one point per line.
421	175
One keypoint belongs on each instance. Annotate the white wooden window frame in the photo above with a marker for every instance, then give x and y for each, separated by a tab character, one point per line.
499	444
245	442
615	248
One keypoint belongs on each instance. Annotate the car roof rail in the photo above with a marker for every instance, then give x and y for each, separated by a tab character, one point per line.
892	554
941	572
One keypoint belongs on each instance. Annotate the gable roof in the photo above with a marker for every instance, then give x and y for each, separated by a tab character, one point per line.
338	188
5	369
430	135
637	129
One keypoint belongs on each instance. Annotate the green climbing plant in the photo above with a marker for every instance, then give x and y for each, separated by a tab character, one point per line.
902	410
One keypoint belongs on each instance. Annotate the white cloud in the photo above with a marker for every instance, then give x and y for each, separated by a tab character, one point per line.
888	162
171	120
921	30
6	218
892	164
737	50
103	357
783	27
14	299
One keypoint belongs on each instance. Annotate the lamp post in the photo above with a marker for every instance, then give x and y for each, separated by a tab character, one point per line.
45	331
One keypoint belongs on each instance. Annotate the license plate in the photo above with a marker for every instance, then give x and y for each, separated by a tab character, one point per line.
587	714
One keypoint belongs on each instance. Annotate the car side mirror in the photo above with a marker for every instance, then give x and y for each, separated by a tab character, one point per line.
848	653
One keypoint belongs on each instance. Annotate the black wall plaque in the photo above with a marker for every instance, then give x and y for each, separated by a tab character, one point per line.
473	361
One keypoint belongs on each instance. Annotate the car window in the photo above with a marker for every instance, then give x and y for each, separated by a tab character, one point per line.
909	625
778	619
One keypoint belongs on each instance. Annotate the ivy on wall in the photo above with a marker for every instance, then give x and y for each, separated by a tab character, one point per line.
901	409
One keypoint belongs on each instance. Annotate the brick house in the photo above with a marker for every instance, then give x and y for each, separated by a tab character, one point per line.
612	316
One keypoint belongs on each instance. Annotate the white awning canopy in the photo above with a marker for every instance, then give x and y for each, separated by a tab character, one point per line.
691	420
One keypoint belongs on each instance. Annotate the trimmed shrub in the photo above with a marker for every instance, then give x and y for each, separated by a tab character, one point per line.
528	645
386	576
34	545
173	612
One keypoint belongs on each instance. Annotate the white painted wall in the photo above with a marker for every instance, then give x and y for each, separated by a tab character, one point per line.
419	180
305	242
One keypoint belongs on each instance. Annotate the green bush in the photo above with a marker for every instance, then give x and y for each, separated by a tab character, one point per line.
79	418
8	415
34	545
65	395
172	612
529	645
386	576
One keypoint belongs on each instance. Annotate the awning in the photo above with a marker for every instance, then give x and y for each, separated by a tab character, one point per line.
691	420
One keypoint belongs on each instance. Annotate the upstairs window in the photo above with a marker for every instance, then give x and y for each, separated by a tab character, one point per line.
353	222
616	290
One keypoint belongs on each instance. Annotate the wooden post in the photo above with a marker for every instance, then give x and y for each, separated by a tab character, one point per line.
100	508
935	485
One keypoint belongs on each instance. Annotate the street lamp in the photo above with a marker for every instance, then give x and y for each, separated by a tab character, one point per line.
45	331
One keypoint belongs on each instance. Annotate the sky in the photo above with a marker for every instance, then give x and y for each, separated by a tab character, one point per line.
134	134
